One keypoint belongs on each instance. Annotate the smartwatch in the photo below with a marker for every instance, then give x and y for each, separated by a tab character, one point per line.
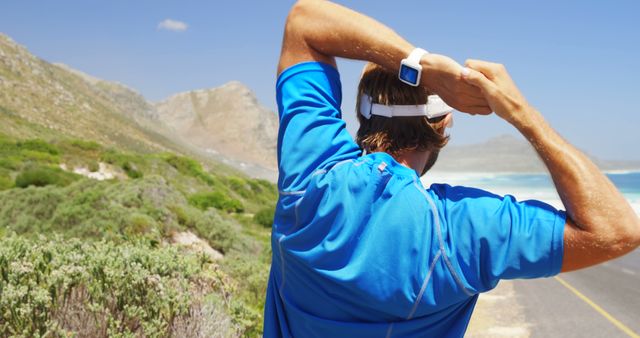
410	68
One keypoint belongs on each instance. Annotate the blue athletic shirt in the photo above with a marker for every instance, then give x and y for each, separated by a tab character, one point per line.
362	249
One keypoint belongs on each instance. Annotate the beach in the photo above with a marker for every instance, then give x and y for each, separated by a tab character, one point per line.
535	186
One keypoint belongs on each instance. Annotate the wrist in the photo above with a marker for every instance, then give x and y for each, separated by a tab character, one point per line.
527	120
429	63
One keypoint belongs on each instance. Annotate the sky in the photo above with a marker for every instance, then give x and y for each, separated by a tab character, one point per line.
575	61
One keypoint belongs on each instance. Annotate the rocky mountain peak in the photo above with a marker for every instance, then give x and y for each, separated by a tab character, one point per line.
227	120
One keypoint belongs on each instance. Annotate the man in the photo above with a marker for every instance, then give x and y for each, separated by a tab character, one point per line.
360	247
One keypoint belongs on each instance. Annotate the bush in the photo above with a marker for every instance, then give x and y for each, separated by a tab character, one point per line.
131	170
86	145
94	167
189	167
41	176
216	200
39	157
184	165
10	162
124	161
265	216
252	276
39	146
221	234
240	186
5	182
58	288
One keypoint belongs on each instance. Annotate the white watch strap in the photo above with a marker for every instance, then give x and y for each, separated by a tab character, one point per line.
416	55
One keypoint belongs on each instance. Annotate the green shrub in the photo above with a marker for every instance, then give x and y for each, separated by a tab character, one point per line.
184	165
5	182
41	176
114	157
139	224
240	186
216	200
86	145
189	167
10	162
61	288
94	167
39	146
261	186
265	216
124	161
252	276
131	170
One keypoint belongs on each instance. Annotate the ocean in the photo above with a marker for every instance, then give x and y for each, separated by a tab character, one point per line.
532	186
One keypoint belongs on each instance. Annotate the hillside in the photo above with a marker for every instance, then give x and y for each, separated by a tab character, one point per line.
76	199
111	224
38	99
54	101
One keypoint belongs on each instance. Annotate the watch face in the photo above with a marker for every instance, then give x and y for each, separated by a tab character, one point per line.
409	74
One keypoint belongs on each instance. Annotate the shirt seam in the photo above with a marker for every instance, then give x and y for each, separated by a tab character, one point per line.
441	241
291	192
424	285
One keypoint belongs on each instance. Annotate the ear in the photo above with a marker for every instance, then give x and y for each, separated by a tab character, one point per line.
447	122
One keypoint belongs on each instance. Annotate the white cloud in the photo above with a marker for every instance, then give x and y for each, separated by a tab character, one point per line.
173	25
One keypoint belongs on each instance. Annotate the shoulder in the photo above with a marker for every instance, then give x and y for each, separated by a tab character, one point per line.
308	71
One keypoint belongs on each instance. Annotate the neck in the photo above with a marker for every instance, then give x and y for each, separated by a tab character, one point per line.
415	160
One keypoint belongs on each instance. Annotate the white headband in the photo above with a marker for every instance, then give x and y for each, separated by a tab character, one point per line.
435	107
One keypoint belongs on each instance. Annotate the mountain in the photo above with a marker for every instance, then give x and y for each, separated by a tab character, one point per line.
91	177
39	99
506	153
227	121
224	125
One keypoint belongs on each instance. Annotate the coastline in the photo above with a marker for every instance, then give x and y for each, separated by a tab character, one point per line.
531	186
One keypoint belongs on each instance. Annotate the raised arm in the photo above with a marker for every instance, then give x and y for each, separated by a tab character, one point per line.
601	224
319	30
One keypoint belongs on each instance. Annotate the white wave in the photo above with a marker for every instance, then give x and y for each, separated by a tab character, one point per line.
508	185
622	172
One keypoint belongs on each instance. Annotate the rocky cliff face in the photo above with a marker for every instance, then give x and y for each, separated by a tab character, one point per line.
40	99
226	120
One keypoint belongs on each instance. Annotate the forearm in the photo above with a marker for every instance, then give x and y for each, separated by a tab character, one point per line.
337	31
319	30
592	202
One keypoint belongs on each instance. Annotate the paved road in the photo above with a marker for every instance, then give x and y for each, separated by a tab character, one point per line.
554	308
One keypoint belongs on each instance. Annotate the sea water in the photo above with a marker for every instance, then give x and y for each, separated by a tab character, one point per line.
533	186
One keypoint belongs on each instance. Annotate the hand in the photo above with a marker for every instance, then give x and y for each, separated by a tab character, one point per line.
443	76
496	85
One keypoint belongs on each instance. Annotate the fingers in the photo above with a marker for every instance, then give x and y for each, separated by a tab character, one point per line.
489	69
471	92
478	79
477	110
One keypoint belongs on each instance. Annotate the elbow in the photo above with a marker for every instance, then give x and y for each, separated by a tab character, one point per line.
629	239
635	233
298	15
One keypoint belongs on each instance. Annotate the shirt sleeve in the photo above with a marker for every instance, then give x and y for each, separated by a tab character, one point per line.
312	134
492	237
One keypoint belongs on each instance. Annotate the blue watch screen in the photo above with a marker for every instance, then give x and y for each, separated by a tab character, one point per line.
408	74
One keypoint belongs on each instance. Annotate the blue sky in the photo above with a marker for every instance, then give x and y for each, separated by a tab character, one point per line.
576	61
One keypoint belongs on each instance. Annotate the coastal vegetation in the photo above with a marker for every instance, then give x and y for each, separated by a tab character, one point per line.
87	243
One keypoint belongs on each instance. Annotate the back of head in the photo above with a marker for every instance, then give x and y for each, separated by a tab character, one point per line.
398	134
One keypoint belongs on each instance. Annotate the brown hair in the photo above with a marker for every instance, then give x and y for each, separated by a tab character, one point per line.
399	134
